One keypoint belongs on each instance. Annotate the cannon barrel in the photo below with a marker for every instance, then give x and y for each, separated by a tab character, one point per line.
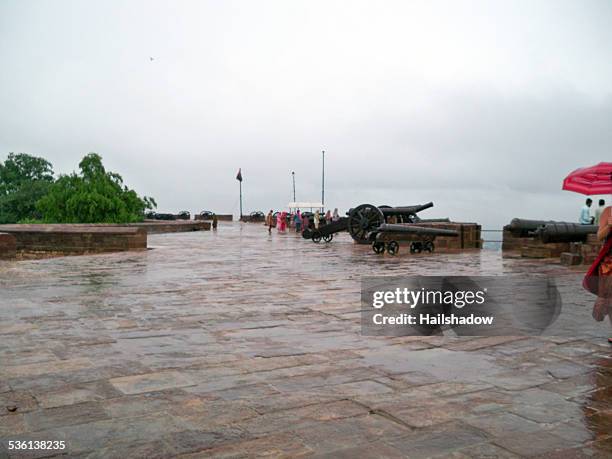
434	220
522	227
565	232
405	210
421	230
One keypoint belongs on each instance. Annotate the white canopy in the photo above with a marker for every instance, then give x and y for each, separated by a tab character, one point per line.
305	205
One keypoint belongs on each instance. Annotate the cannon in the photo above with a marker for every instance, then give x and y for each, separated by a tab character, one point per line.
366	218
162	216
183	215
423	237
326	231
206	215
257	215
564	232
521	227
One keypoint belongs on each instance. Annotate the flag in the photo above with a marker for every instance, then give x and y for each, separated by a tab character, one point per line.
239	175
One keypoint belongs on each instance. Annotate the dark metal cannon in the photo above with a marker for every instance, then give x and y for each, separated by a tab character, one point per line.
366	218
162	216
564	232
424	237
521	227
326	231
205	215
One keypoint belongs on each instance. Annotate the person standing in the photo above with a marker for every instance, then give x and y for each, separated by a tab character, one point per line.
297	219
215	222
317	219
600	208
270	221
283	221
599	275
336	215
305	222
585	213
328	217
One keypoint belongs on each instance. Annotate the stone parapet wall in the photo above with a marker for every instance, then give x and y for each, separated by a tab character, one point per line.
172	226
511	242
582	253
75	239
220	217
8	246
535	248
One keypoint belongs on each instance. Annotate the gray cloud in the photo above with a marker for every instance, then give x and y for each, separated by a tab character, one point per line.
482	107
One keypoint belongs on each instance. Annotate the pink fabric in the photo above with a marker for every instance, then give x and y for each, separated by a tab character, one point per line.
283	221
591	278
590	180
279	222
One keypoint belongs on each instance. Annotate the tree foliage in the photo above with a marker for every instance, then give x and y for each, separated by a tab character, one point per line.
24	179
92	196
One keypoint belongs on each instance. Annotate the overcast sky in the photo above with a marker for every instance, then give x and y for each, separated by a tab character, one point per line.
480	106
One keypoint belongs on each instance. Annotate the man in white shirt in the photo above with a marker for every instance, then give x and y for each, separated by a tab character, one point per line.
585	213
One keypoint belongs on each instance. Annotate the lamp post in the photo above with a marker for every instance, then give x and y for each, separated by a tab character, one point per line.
323	181
293	177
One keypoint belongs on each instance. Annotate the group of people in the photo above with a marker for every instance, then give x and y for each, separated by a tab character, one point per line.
298	220
586	218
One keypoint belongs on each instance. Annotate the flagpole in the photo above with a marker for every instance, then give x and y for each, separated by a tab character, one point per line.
240	199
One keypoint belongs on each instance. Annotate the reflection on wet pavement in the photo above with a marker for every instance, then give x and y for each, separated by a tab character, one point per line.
237	343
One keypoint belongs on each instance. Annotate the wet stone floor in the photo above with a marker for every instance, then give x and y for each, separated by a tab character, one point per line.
238	344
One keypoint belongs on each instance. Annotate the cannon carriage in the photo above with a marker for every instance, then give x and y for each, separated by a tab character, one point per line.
421	237
326	230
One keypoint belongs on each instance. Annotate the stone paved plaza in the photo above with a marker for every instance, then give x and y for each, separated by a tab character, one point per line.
237	344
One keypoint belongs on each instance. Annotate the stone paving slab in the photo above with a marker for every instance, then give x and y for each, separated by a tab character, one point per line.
239	344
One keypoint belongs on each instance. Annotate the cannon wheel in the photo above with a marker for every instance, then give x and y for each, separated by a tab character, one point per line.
392	248
316	237
362	220
429	246
416	247
378	247
328	237
307	234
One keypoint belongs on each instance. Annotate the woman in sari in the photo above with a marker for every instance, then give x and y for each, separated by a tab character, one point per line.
328	217
601	270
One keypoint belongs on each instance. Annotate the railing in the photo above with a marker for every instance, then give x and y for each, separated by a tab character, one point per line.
491	231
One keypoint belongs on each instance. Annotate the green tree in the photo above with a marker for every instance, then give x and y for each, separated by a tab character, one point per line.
92	196
24	179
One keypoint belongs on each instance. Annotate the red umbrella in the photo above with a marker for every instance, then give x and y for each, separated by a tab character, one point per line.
590	180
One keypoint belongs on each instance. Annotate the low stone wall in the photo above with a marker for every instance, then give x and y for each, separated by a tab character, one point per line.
172	226
8	246
535	248
582	253
51	240
220	217
249	219
511	242
532	247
